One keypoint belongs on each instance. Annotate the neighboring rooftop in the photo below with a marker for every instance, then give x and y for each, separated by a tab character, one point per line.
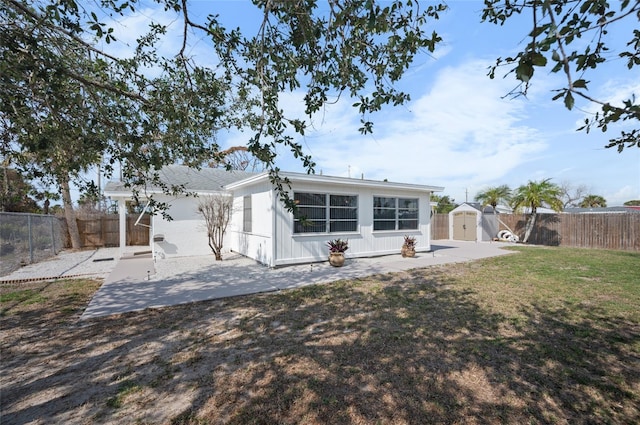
605	210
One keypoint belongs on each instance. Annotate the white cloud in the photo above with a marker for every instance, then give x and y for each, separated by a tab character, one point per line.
459	132
622	195
614	92
129	28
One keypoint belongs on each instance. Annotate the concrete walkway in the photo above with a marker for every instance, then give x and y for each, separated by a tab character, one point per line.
137	283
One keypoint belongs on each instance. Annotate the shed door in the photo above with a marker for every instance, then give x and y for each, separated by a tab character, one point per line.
464	226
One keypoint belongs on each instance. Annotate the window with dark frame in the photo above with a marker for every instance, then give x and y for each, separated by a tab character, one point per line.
325	213
246	214
395	213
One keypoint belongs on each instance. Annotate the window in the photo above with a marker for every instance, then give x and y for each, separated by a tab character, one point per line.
407	213
343	213
246	214
322	213
311	216
395	213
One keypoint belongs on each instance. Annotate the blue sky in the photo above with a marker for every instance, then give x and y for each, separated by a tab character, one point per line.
458	131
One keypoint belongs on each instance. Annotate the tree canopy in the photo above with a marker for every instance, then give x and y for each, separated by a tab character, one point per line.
494	195
63	92
16	195
533	195
445	204
145	122
572	37
593	201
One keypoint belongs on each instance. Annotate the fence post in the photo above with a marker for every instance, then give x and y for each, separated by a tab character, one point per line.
30	238
103	232
53	236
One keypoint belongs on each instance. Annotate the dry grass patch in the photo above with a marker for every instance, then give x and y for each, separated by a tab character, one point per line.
544	336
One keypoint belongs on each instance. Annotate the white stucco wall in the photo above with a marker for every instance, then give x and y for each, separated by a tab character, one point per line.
185	234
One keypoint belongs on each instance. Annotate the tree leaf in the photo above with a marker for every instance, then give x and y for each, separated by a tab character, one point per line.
538	59
569	101
581	84
524	72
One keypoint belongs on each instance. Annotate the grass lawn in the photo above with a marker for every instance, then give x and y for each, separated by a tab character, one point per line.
548	335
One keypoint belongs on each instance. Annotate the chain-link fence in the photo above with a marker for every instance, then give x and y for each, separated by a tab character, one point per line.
27	238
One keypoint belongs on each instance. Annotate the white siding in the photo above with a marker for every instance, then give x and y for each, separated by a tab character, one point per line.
300	248
257	244
271	240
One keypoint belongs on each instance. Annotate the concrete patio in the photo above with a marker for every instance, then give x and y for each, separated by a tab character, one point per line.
137	283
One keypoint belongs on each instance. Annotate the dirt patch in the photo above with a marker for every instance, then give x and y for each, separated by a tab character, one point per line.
413	347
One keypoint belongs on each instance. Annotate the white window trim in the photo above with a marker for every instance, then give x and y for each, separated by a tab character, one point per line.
327	219
397	211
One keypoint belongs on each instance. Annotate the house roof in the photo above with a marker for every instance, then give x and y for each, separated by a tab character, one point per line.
341	181
202	180
217	180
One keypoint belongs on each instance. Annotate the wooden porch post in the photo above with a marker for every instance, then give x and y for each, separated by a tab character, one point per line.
122	210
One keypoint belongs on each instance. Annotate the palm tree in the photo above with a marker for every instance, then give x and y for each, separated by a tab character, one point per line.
593	201
533	195
494	195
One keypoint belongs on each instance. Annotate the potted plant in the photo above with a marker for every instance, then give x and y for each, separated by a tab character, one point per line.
337	247
409	246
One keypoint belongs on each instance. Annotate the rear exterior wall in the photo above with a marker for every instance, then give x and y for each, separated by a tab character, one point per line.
258	242
185	234
364	242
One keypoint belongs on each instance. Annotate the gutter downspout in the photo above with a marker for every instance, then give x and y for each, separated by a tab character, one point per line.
151	237
273	228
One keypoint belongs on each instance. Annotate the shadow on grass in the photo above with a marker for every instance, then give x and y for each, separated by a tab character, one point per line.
405	348
423	352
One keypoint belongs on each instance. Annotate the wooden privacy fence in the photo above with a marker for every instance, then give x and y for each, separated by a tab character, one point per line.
605	230
608	231
104	230
440	226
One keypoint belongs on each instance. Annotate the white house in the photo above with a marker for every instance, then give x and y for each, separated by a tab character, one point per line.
372	215
184	233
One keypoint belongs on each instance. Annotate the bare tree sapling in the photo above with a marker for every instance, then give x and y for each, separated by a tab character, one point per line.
216	211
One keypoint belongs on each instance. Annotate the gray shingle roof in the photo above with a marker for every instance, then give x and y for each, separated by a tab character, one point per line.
205	179
478	206
602	210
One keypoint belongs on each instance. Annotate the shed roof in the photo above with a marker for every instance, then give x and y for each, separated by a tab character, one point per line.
488	209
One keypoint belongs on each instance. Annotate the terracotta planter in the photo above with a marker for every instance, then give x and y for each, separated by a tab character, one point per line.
336	259
408	252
